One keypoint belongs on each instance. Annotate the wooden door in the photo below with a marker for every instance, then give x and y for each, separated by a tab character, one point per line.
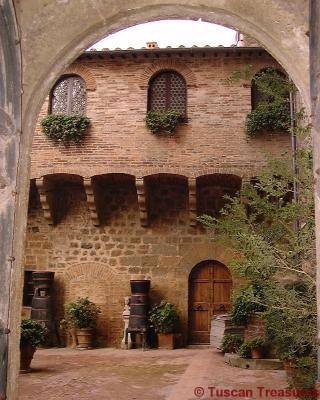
210	286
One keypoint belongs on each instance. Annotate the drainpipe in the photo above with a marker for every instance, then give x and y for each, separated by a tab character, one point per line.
294	146
294	151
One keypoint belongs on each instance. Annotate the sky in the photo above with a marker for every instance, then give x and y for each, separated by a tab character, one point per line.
169	33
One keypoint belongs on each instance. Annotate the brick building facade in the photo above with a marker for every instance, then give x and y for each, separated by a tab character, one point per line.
122	205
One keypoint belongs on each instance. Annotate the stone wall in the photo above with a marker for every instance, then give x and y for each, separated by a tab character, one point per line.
99	261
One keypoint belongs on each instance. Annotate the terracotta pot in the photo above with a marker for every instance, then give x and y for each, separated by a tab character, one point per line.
84	338
257	353
26	355
166	341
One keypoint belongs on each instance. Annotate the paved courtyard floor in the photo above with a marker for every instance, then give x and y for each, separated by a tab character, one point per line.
112	374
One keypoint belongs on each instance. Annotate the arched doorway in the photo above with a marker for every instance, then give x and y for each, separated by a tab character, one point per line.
210	286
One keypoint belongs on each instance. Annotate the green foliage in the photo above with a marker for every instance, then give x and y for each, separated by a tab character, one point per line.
272	113
245	302
164	317
166	121
248	345
256	342
268	117
245	350
33	333
304	375
81	313
65	128
231	343
273	239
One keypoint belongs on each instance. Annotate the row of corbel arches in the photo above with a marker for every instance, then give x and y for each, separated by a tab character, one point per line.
203	192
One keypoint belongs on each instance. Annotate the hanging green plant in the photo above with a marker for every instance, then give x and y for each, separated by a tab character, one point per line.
270	100
268	117
271	111
65	128
165	121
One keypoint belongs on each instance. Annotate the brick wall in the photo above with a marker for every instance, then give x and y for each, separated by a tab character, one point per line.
212	140
255	327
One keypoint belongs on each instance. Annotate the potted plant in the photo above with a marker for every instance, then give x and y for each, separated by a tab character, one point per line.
82	314
256	347
231	343
165	319
65	128
165	121
252	348
32	335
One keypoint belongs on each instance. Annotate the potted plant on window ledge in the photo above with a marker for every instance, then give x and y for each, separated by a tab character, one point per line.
165	318
65	128
163	121
82	315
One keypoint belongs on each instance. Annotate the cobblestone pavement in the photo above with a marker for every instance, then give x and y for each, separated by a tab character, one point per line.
112	374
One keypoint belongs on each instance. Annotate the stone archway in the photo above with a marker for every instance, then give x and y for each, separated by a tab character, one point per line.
104	287
75	28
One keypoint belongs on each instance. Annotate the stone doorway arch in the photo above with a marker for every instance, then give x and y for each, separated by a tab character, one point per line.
28	30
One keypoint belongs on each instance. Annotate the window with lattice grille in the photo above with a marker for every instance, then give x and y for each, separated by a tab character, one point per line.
168	91
69	96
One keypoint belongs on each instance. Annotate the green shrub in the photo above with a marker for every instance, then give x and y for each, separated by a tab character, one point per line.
303	377
272	109
33	333
231	343
256	342
245	350
164	317
82	313
165	121
65	128
245	303
268	117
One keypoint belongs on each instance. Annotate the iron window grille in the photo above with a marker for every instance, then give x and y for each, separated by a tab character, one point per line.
69	96
168	91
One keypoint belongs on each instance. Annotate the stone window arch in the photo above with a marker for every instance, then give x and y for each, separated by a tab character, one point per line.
167	90
256	95
68	96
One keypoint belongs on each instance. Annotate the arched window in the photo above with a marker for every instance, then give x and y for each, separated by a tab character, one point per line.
68	96
271	79
168	91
